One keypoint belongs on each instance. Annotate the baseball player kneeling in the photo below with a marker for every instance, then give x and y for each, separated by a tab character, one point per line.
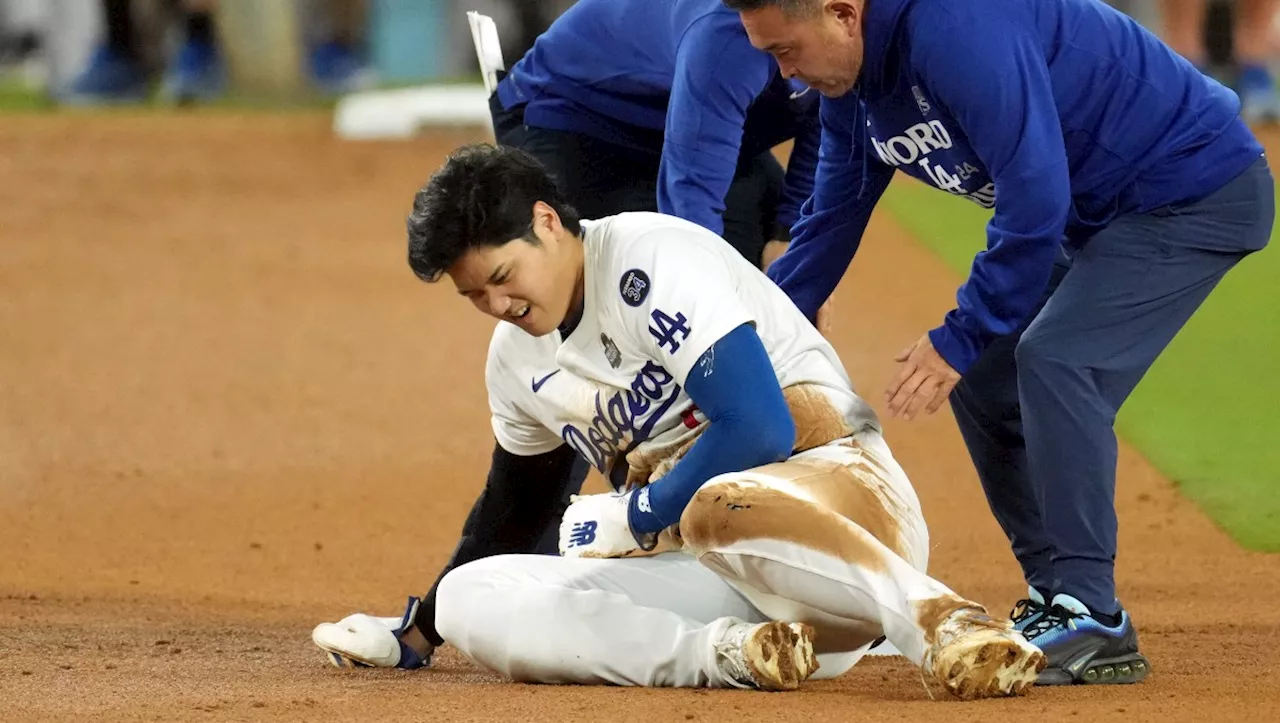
761	531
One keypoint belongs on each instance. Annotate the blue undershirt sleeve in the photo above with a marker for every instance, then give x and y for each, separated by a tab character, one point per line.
749	425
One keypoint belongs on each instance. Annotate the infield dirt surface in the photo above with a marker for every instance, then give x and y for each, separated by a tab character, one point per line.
228	412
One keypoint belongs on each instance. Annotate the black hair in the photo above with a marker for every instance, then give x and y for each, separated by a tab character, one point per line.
792	8
482	196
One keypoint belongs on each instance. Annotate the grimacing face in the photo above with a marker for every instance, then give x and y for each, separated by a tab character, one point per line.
533	286
823	51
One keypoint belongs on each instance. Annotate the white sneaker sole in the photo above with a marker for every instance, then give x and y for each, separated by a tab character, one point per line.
780	655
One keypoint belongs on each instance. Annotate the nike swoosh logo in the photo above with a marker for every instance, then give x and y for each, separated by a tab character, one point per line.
799	93
537	383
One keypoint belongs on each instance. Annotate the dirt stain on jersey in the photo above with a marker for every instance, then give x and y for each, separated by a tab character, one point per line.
859	492
817	422
649	463
817	419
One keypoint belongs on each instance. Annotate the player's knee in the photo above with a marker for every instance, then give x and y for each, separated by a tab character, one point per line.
457	596
727	509
451	604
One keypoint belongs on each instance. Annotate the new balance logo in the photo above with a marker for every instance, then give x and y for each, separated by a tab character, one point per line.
583	533
643	502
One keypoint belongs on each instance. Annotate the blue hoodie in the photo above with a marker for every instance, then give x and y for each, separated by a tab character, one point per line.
675	77
1059	114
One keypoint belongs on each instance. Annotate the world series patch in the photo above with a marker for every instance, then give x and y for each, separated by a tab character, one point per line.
611	351
634	287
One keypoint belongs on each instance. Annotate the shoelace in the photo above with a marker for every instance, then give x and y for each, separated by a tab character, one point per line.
1053	617
1028	608
731	652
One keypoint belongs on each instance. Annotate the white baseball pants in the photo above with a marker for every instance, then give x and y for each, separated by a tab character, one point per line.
833	537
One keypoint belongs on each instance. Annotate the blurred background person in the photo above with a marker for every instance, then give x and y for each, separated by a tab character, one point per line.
21	42
118	71
336	60
1252	49
104	52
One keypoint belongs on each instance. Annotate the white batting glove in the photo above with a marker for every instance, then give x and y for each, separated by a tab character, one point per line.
596	526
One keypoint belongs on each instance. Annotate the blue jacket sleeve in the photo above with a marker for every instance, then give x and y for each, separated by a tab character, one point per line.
717	76
801	167
847	185
735	386
992	77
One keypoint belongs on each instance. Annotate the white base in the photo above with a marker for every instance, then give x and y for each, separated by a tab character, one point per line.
402	113
886	648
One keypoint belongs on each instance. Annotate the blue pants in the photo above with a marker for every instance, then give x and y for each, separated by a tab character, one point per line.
1037	410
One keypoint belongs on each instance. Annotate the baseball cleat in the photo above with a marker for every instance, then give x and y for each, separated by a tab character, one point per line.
976	656
1082	649
767	656
365	641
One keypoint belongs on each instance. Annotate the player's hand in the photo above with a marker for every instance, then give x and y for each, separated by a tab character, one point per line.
596	526
924	381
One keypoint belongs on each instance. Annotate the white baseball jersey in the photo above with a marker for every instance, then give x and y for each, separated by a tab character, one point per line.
660	291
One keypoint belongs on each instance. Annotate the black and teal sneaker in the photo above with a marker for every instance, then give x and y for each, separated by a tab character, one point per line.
1082	649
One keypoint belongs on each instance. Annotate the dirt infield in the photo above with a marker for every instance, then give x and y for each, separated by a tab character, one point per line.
228	411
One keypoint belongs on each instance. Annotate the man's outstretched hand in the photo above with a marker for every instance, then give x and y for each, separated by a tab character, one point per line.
924	381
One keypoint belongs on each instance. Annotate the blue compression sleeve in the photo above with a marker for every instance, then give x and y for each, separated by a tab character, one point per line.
750	425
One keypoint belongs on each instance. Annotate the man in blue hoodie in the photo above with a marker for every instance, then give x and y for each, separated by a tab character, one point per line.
1124	186
663	105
